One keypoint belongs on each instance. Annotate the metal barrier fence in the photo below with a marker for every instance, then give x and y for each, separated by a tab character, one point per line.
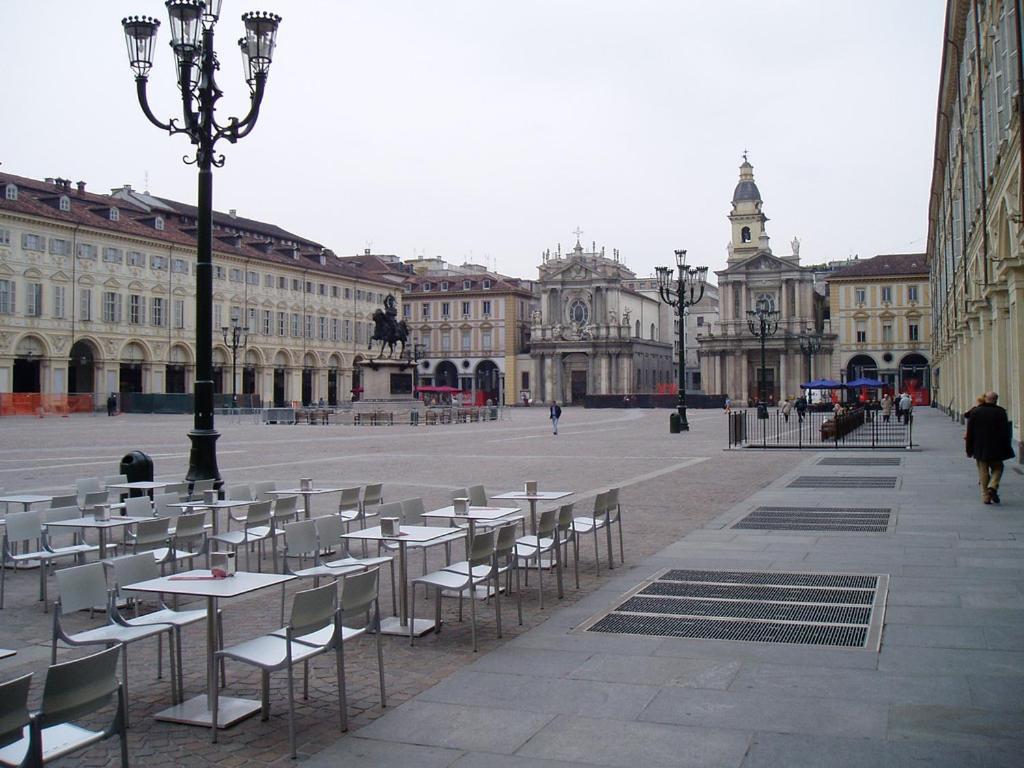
856	428
37	404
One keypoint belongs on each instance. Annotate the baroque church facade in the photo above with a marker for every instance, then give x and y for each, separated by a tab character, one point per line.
593	334
731	356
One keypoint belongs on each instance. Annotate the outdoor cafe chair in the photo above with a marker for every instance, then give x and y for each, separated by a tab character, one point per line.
359	612
301	544
72	691
132	569
84	588
77	548
313	629
329	529
261	490
410	512
93	499
479	569
504	565
189	538
64	500
478	498
534	547
178	489
615	518
257	527
591	524
84	485
237	493
286	510
566	534
373	496
25	528
199	487
350	506
139	506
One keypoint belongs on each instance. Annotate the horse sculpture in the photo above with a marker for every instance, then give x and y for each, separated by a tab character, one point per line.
388	330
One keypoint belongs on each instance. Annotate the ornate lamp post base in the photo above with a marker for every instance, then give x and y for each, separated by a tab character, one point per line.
202	459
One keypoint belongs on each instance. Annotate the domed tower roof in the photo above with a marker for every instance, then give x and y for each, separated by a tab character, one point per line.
746	190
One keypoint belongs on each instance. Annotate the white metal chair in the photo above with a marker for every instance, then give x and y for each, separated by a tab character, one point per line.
73	690
115	495
358	612
84	588
257	527
133	569
313	629
141	506
615	518
350	507
93	499
25	528
261	490
477	569
286	510
328	530
566	534
199	487
592	523
178	489
237	493
77	548
189	538
534	547
64	500
14	721
85	485
302	543
373	496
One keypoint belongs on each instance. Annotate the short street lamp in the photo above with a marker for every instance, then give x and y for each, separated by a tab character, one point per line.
763	322
192	26
235	338
810	344
681	293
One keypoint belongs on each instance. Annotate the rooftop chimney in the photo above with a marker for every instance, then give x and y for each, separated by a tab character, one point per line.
233	213
81	187
366	251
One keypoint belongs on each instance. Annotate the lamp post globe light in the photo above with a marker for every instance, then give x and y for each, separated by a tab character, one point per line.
763	322
810	345
235	338
192	25
682	293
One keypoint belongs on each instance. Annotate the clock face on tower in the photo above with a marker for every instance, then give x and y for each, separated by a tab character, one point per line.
578	311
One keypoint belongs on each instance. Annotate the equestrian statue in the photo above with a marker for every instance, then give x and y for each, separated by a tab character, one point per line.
388	329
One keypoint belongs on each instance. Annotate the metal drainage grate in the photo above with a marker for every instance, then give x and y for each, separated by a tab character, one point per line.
842	610
863	519
861	461
840	481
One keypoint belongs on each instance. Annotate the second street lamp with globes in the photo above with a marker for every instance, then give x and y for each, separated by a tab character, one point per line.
682	293
763	323
235	338
192	25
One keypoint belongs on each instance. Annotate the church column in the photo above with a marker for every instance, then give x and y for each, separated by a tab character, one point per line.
604	390
783	370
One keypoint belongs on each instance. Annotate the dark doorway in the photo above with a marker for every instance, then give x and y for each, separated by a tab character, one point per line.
218	380
332	386
26	375
81	369
249	380
446	374
487	380
279	374
176	379
579	386
131	378
307	385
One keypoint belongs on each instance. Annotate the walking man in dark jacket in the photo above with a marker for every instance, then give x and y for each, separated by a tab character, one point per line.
555	415
988	443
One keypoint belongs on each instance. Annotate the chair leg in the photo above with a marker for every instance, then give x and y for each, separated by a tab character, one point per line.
124	682
519	597
264	695
380	654
339	660
576	559
305	680
160	657
472	607
412	614
497	600
394	593
437	611
121	728
622	550
540	576
291	708
220	641
597	553
181	676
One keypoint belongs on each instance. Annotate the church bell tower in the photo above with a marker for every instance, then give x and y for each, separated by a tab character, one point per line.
748	231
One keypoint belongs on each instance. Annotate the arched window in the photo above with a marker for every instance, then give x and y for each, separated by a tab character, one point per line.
767	300
637	333
652	331
745	235
65	203
11	192
578	312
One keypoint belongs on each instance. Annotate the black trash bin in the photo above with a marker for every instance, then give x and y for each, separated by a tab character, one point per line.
137	467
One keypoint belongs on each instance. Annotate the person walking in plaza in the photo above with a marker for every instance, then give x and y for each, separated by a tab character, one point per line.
555	414
111	404
988	443
787	408
801	407
906	406
886	407
728	404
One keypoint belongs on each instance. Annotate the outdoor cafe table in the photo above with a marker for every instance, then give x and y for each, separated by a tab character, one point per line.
214	507
100	526
25	499
419	534
199	583
149	486
533	498
307	495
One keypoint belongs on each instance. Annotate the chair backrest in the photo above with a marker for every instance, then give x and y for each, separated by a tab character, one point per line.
178	489
239	493
373	494
60	513
612	500
459	493
152	533
162	505
477	496
412	510
506	541
261	490
547	522
86	485
329	529
286	508
114	480
600	504
82	586
14	708
138	506
481	551
301	539
393	509
22	526
258	514
92	499
65	500
349	499
189	528
314	609
358	591
201	486
80	687
131	569
565	515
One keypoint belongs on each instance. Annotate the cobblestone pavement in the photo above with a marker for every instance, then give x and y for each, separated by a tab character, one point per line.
670	485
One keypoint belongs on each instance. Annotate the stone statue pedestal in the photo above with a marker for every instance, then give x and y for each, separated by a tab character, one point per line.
387	384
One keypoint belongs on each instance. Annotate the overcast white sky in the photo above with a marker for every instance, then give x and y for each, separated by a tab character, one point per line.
476	129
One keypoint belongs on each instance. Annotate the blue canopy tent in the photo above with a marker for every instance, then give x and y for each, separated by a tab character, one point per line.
823	384
865	382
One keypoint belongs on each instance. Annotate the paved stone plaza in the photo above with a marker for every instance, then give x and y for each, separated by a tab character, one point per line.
944	688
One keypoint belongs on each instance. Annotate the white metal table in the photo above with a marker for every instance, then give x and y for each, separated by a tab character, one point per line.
149	486
25	499
533	498
407	533
199	583
214	508
307	495
100	526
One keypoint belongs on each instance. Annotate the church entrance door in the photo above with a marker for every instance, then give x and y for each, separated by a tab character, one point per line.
579	386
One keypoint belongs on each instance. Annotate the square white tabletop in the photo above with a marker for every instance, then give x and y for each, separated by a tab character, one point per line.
219	504
90	521
406	533
140	485
25	498
538	496
188	583
472	513
297	491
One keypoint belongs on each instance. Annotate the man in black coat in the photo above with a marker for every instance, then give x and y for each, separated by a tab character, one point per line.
988	443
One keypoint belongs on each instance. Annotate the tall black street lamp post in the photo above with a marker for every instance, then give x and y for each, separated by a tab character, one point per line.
810	344
763	322
681	293
192	27
235	339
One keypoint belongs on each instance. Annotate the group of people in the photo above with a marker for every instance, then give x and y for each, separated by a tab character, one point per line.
903	403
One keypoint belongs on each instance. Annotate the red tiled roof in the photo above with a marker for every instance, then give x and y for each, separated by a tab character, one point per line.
499	283
887	265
